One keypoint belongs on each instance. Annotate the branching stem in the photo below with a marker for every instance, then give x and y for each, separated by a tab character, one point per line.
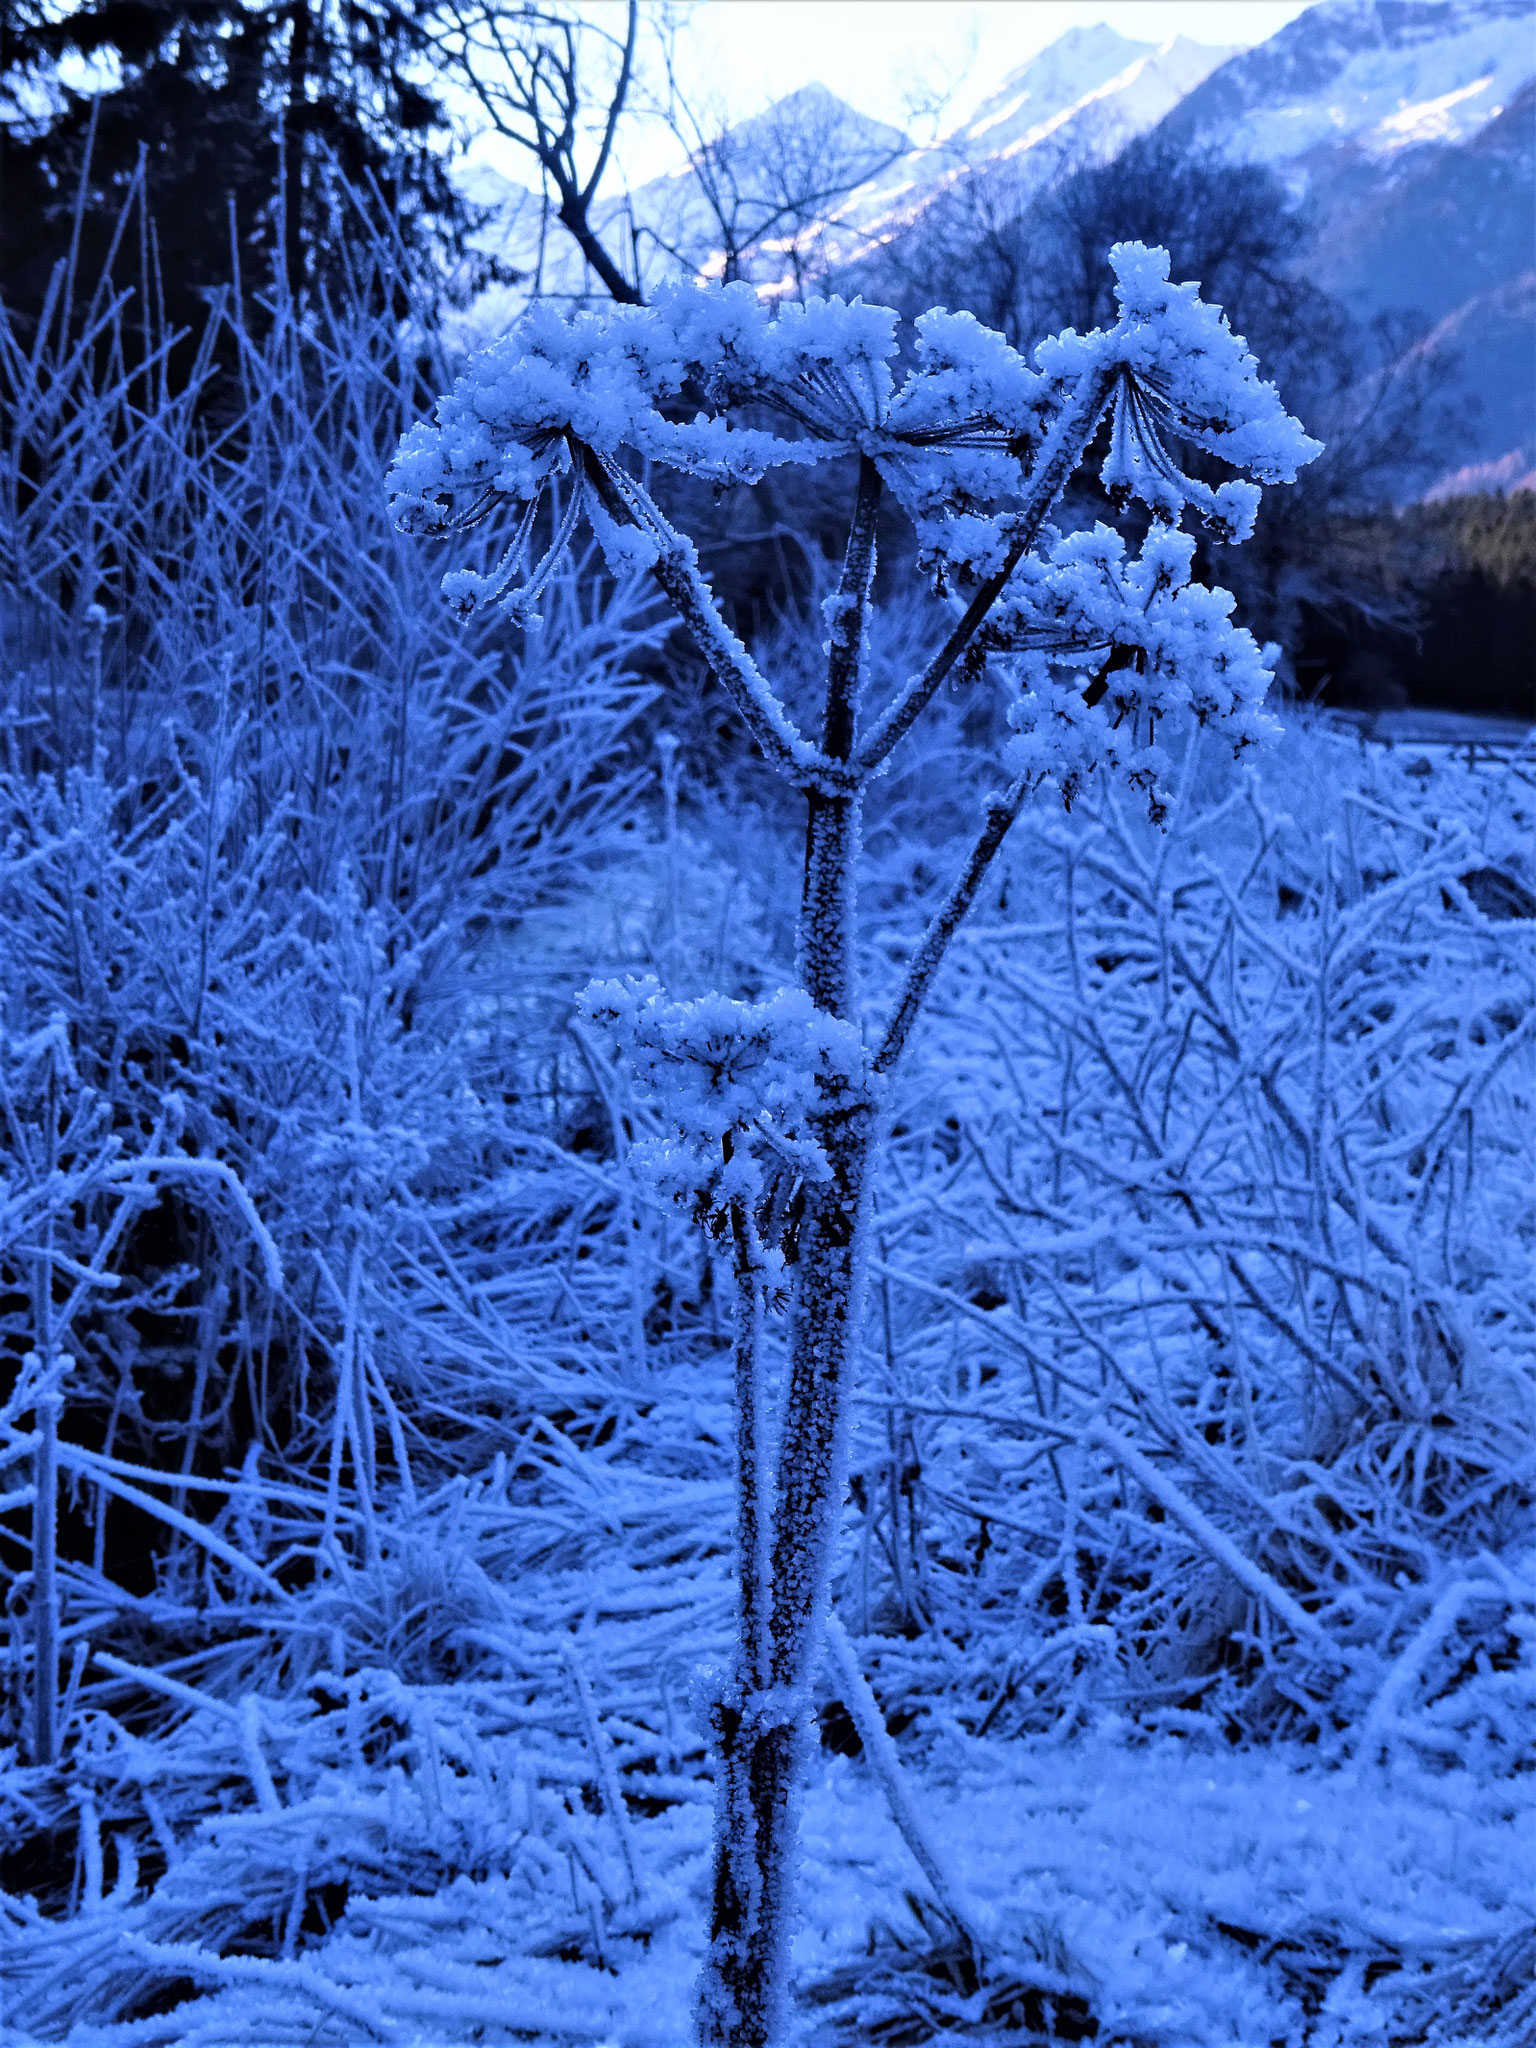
1062	450
676	570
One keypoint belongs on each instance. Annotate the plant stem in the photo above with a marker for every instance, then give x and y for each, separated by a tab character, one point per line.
45	1577
1001	812
761	1719
761	1726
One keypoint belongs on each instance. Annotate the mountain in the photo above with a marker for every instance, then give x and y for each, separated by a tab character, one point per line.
1408	123
1086	95
1485	353
1411	125
1089	79
1425	231
1382	75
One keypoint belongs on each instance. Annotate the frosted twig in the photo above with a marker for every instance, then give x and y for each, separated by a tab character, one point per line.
1002	810
880	1751
602	1761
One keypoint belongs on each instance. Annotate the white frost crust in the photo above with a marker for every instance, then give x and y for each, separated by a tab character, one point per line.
1160	647
736	1083
565	397
1183	371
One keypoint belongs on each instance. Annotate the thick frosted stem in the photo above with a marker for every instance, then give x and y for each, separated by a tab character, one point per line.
759	1763
823	1355
833	818
832	841
850	608
761	1732
754	1594
761	1722
745	1961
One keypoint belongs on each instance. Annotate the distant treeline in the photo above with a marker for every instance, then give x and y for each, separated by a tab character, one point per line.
1455	625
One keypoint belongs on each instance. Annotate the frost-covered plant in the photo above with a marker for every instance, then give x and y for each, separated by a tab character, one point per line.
1099	647
266	815
1207	1325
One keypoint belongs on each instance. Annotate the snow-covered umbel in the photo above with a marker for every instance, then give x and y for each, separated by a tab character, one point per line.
736	1084
1159	647
974	443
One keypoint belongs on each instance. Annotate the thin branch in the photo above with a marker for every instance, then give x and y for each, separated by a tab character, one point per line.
848	625
1001	812
615	105
1063	449
676	570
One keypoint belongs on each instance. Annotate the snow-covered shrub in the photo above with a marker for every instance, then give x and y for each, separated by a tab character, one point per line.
374	1718
976	447
267	819
1207	1392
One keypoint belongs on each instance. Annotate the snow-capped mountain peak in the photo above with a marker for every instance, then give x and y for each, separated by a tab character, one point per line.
1380	74
1083	96
1130	83
1076	67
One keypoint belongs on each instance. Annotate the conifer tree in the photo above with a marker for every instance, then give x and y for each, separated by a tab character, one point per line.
237	126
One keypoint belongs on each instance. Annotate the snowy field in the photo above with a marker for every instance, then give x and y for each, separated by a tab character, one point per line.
1185	1684
457	1792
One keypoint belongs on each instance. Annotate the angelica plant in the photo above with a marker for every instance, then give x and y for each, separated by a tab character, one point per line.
772	1111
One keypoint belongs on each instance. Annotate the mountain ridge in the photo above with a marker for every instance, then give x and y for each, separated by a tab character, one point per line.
1408	124
1371	57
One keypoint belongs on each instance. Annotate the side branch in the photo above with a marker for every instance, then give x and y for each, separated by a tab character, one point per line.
1001	812
1064	448
676	570
781	740
751	1463
848	624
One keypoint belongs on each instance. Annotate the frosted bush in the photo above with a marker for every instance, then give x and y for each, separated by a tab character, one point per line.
266	814
1235	1226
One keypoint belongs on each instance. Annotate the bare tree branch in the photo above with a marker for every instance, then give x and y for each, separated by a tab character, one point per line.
768	184
530	71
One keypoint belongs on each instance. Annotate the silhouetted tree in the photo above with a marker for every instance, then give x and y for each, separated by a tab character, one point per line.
557	85
238	127
764	192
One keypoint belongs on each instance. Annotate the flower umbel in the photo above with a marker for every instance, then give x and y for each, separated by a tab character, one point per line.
555	405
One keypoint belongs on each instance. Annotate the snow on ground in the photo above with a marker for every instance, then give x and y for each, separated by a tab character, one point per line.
1199	1896
1179	1896
408	1836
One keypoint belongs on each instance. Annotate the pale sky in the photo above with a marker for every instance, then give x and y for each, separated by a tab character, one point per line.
870	51
876	54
